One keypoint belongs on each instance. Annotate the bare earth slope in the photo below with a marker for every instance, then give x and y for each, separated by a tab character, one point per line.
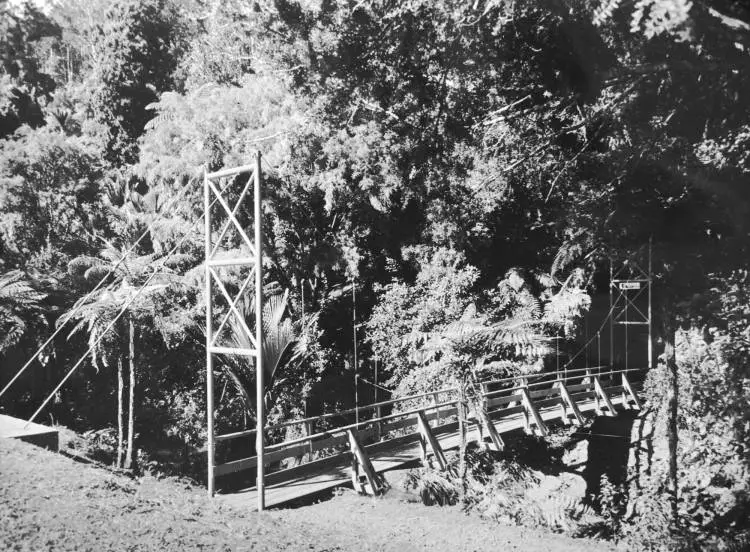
49	502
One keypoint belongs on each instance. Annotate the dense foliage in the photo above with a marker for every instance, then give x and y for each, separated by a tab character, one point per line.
463	170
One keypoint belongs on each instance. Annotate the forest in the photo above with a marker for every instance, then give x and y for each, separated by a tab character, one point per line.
426	163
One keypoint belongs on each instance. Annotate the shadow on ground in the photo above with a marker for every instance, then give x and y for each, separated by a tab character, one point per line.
608	451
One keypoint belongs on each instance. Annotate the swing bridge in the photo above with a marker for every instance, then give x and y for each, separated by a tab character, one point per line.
304	457
424	426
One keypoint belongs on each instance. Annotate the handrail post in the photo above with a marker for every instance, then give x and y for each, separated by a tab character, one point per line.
378	410
308	432
378	426
437	408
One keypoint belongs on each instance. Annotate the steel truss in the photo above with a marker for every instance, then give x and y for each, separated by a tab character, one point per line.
626	285
218	258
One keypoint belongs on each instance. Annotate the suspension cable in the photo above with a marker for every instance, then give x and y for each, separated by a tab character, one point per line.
79	304
119	314
586	330
595	336
375	385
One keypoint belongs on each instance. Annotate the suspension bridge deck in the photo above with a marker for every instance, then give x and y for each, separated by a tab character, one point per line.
316	477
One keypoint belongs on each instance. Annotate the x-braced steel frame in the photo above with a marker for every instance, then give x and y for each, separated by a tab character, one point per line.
626	286
250	255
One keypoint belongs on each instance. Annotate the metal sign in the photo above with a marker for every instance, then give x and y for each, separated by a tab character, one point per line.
629	285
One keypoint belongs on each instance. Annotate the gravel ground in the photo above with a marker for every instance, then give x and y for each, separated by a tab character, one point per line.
50	502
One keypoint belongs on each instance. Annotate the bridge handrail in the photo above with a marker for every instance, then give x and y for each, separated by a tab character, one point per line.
544	377
540	375
333	439
554	380
336	430
371	406
322	417
360	409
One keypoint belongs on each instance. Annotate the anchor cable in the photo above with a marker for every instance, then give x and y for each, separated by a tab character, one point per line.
81	302
117	317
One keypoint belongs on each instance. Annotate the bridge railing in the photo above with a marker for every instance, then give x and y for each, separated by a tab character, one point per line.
511	398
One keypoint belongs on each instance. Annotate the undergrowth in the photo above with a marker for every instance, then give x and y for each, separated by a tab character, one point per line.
498	488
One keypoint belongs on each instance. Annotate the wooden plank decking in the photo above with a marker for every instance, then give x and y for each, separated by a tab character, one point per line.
321	476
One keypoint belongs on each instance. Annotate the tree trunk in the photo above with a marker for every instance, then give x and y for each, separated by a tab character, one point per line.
120	396
131	395
672	409
69	65
462	467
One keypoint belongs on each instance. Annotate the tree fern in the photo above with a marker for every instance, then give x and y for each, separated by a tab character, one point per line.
13	328
562	513
651	17
20	303
605	10
567	306
655	17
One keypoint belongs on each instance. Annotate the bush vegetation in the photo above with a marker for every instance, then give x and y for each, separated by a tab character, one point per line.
466	168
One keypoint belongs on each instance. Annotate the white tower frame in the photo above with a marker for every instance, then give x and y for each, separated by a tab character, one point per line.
213	194
625	286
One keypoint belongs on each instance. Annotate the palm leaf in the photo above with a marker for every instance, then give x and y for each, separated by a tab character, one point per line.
281	349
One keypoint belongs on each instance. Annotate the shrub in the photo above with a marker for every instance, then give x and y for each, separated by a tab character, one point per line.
498	488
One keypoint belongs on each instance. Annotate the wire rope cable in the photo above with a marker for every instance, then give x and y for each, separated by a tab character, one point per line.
376	385
90	294
117	317
585	345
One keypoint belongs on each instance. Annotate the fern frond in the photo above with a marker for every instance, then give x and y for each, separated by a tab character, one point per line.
160	119
179	261
568	254
19	301
13	327
96	273
16	288
605	10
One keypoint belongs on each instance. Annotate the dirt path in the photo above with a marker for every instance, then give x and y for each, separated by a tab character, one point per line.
49	502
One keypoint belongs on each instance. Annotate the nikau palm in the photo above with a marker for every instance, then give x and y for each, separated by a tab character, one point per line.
281	349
